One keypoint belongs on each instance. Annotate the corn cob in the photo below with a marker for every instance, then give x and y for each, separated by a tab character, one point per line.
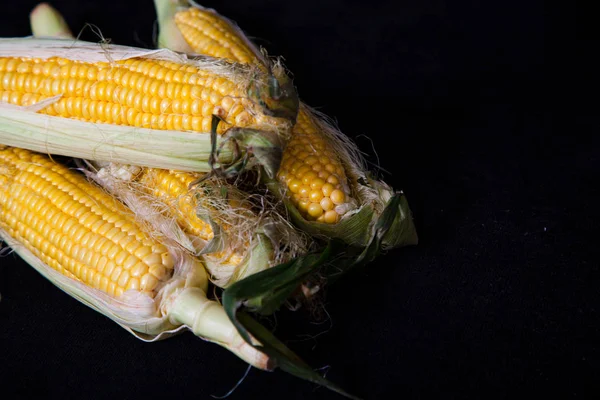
133	92
92	246
321	171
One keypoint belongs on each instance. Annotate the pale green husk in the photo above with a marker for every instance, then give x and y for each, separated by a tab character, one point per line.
259	257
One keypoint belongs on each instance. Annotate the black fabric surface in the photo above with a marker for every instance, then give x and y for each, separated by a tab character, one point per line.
480	115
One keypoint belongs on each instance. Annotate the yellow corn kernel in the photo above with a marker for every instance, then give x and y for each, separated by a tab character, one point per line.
63	236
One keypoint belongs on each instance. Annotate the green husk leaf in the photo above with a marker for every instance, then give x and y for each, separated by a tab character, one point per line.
383	228
286	359
256	260
402	231
264	293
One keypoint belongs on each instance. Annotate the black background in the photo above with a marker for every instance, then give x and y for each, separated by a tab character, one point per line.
485	119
